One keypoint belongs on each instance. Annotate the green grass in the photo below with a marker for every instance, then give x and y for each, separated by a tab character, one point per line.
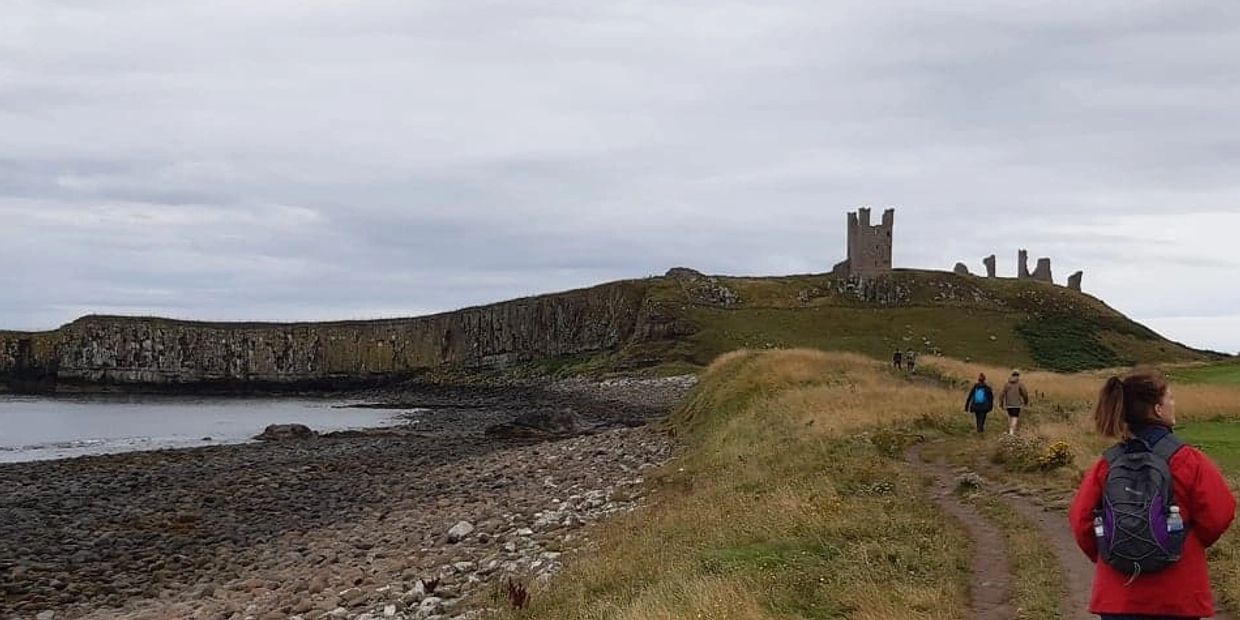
955	332
1219	439
1227	373
1066	344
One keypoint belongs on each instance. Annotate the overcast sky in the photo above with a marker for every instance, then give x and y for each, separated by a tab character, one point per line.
328	160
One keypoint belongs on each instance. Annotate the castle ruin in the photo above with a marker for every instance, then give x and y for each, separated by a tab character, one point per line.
869	253
869	246
1022	265
1041	272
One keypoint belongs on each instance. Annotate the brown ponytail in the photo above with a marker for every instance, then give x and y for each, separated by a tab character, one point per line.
1128	402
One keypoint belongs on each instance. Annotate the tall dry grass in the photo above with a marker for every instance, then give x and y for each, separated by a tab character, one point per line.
785	504
781	507
1193	401
1063	404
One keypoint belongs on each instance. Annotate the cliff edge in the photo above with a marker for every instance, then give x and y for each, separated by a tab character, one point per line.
674	322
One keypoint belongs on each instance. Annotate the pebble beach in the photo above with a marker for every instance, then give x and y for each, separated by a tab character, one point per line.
423	520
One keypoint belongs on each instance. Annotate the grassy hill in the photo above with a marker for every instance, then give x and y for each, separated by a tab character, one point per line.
1001	321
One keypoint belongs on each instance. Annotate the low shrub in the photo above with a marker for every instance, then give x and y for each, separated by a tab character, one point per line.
1031	453
1054	456
946	424
892	442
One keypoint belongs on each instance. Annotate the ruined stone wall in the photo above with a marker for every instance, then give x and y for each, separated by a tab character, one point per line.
131	350
869	247
1042	272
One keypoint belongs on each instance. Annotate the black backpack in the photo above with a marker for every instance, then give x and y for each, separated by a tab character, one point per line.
1136	504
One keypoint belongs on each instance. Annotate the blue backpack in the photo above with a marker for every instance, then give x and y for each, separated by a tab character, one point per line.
981	400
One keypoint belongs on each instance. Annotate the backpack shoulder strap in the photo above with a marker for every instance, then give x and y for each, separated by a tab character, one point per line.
1114	452
1168	446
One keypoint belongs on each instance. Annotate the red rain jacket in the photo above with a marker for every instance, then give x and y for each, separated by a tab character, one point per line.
1182	589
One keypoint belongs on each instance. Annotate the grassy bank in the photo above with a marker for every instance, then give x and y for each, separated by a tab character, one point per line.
791	501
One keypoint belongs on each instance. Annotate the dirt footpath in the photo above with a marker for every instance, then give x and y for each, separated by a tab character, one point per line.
990	587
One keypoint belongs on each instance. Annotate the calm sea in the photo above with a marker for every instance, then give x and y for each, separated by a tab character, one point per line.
37	428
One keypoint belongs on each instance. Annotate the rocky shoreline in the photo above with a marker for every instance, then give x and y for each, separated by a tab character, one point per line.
346	526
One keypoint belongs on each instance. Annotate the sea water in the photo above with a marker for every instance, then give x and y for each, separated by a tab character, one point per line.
37	428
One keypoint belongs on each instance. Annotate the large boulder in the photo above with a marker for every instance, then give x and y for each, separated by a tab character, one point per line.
284	432
460	531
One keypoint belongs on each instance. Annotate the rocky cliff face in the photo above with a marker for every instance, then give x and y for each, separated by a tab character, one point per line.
27	356
684	317
131	350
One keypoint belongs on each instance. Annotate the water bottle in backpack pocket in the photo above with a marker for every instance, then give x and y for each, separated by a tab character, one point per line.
1138	525
1100	536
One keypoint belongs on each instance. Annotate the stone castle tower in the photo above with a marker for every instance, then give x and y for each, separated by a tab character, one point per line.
869	246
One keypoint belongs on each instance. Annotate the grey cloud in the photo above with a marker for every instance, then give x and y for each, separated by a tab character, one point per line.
285	160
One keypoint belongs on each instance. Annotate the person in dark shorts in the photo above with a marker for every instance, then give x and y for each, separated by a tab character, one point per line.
1014	397
897	359
979	401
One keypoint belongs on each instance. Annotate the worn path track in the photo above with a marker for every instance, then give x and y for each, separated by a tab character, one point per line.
990	587
1077	570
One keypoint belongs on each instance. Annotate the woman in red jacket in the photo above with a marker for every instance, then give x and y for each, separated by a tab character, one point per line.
1141	406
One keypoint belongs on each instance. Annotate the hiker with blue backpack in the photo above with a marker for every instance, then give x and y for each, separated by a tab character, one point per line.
1147	510
979	401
